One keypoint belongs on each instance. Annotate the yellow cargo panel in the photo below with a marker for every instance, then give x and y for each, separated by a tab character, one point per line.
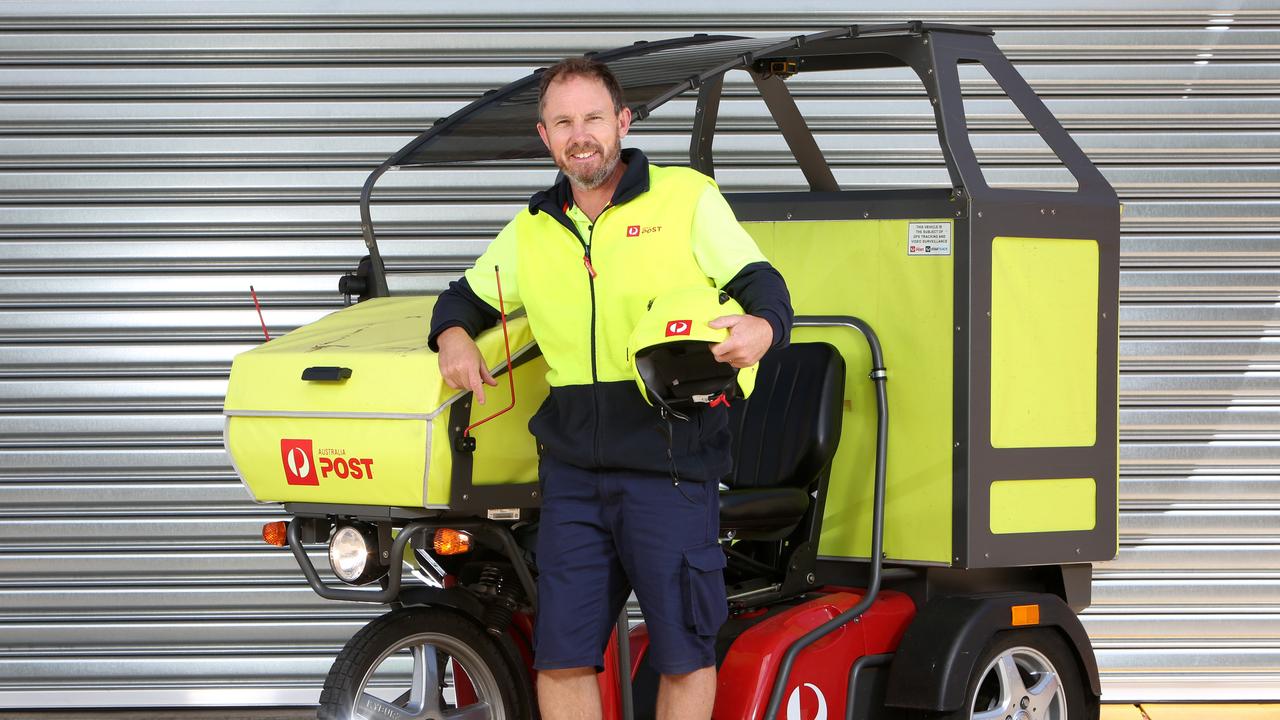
869	269
1044	342
1043	505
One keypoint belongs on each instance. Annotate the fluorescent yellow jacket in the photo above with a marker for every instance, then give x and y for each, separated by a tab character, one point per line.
585	284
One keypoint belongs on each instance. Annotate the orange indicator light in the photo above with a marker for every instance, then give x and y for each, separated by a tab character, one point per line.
451	542
276	533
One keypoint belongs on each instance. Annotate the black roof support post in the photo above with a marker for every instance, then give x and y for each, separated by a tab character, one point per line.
377	271
704	126
796	132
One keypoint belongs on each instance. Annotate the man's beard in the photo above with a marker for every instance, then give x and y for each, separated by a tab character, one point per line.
595	179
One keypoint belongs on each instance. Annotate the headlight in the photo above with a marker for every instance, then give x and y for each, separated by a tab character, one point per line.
353	555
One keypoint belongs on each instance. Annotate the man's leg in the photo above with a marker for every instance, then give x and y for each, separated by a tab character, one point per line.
570	694
690	696
667	544
581	590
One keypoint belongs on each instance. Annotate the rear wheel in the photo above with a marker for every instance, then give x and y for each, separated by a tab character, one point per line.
1026	675
422	663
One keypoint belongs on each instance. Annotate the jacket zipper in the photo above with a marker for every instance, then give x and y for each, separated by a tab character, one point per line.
591	283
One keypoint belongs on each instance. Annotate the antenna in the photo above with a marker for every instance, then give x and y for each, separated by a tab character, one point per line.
254	295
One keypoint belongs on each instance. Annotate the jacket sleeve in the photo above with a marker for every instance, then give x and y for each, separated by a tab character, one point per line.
762	292
471	302
731	258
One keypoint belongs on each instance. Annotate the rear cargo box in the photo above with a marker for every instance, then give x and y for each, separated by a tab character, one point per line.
351	410
998	322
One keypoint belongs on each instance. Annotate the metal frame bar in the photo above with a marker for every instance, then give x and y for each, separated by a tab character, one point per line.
878	376
704	126
395	571
796	132
855	677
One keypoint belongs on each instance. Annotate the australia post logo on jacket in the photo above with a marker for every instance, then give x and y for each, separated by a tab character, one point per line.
301	468
638	230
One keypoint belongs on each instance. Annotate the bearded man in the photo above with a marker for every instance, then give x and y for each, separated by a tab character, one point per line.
584	260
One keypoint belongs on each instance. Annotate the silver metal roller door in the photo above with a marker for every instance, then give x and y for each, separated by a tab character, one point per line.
157	158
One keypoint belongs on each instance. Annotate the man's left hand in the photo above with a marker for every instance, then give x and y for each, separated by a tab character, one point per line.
749	338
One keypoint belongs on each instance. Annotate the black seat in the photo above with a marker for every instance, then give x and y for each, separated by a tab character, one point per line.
784	437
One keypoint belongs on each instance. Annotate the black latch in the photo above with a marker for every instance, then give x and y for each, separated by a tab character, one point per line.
326	373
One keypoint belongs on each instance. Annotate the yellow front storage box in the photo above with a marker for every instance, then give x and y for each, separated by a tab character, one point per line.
351	410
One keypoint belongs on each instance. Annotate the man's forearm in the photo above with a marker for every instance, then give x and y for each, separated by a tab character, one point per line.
459	307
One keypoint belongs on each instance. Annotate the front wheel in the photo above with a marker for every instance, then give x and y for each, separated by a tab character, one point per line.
421	663
1026	675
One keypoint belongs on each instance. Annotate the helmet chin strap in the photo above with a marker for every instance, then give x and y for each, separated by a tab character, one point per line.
666	413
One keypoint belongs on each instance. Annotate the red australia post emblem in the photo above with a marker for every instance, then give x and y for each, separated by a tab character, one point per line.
299	462
678	327
633	231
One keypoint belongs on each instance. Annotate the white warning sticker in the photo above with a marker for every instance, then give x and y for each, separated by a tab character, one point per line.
929	238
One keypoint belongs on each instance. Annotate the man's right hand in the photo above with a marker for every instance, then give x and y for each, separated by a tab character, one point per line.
461	364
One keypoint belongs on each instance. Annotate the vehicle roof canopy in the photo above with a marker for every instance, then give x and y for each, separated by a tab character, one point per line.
500	125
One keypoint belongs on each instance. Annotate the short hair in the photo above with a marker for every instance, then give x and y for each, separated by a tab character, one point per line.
580	67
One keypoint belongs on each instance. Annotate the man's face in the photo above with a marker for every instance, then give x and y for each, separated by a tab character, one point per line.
581	129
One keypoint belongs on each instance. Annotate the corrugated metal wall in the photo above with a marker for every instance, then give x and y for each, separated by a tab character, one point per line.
156	158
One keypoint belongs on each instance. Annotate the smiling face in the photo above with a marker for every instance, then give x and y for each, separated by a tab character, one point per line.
582	129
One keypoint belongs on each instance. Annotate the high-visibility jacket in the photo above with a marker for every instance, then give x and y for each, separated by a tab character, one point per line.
584	284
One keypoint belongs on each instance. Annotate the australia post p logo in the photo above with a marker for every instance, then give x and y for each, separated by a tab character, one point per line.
299	462
678	327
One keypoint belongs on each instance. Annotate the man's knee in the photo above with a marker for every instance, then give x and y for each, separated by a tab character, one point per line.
695	675
567	674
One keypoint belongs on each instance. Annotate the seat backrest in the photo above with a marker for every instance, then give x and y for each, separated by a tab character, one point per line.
786	433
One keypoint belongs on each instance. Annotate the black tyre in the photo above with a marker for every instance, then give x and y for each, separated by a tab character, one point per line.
407	665
1026	675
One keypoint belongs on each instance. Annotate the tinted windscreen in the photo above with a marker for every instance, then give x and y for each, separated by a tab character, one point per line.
501	125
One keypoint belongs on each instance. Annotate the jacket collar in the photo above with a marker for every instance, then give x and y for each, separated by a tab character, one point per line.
556	200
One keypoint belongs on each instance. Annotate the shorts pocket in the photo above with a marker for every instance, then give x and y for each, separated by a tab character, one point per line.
705	605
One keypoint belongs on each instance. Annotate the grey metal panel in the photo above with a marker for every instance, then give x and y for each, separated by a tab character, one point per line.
509	184
422	79
50	152
157	158
1168	112
514	46
98	14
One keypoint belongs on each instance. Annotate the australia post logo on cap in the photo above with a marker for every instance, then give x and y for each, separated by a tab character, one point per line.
299	462
678	327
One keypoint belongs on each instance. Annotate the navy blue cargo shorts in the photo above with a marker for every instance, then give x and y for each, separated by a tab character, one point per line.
603	533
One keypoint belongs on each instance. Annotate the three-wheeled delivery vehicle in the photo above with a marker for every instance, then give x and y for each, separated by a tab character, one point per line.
921	479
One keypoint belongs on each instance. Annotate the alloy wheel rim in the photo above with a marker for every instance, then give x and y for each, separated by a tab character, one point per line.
434	655
1019	684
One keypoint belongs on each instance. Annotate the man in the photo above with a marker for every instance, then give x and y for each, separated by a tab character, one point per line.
584	260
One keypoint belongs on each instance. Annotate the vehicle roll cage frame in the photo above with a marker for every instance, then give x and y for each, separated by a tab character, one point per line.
932	50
